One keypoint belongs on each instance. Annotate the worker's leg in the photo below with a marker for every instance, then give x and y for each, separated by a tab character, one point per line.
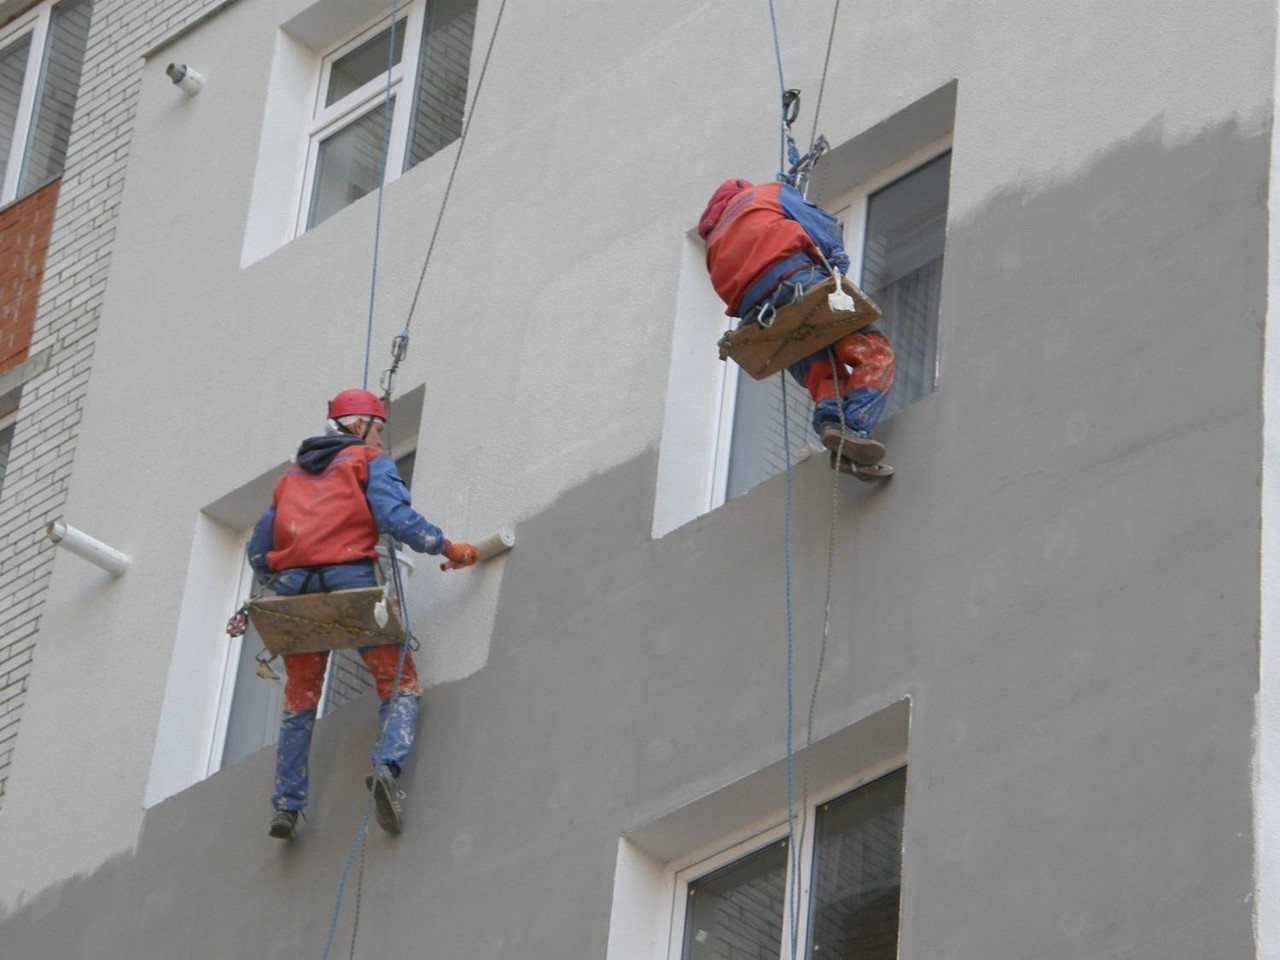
304	678
398	713
870	360
826	382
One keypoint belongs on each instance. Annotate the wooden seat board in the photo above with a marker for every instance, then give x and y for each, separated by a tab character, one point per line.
798	330
314	622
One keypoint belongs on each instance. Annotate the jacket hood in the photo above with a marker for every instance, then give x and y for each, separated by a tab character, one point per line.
316	453
719	200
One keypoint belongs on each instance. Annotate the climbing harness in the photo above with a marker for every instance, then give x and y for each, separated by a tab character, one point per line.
774	338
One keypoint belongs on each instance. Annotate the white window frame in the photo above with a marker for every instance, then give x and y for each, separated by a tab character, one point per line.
325	121
8	420
227	682
760	835
35	24
851	209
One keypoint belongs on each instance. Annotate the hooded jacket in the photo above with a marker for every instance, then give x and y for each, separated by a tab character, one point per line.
331	505
757	235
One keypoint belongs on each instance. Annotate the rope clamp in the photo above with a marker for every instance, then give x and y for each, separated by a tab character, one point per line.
790	106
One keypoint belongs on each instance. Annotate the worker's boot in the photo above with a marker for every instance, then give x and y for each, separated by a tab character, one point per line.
284	825
866	472
851	444
387	796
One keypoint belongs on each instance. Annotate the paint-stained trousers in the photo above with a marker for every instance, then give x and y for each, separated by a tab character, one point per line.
304	680
855	382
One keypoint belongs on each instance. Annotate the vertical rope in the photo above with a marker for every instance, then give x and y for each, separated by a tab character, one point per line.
342	880
782	89
792	840
462	142
822	87
382	177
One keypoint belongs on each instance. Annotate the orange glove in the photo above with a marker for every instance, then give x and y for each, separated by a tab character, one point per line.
460	555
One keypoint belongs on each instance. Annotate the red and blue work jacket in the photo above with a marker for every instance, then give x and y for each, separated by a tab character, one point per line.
331	505
757	235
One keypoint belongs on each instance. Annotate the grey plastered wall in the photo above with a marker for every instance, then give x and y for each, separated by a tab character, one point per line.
1065	590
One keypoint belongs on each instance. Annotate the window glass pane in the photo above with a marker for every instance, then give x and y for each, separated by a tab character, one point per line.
255	705
757	452
857	873
736	912
443	65
353	70
13	65
56	98
902	272
6	443
404	466
348	166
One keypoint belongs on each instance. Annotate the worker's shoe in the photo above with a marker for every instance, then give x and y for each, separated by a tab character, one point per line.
387	796
284	824
866	472
851	444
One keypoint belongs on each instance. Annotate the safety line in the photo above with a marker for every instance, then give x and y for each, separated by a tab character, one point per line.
462	142
342	880
382	177
782	89
792	840
822	87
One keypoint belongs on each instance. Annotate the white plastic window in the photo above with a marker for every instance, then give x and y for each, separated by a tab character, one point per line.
7	424
41	53
843	886
354	140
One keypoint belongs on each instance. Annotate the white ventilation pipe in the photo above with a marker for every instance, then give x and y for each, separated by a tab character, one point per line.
87	548
185	79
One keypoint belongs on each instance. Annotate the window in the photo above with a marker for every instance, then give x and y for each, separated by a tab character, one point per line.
40	57
894	231
347	146
7	424
737	904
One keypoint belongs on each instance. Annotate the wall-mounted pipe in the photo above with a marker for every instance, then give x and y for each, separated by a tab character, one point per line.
86	547
497	543
185	79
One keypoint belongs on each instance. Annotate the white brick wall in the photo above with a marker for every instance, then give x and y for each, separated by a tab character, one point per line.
67	321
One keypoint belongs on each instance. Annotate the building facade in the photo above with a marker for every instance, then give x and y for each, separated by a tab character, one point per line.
1017	702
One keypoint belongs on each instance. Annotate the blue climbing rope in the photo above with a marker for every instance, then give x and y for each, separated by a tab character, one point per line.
792	840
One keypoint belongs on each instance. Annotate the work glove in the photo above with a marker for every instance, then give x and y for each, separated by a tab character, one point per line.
238	624
459	554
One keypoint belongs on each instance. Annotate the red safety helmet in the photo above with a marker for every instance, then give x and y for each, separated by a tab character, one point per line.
356	403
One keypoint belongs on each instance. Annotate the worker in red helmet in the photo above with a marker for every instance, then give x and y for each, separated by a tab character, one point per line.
767	245
321	533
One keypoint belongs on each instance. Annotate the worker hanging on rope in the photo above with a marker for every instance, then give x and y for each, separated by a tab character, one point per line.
321	534
766	246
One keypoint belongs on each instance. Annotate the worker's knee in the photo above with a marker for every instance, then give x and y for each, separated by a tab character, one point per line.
383	662
870	357
304	679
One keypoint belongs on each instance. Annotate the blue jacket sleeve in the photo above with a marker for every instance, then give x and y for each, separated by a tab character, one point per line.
823	229
392	512
260	541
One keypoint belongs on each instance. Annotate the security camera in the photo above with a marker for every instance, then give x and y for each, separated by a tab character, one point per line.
185	79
